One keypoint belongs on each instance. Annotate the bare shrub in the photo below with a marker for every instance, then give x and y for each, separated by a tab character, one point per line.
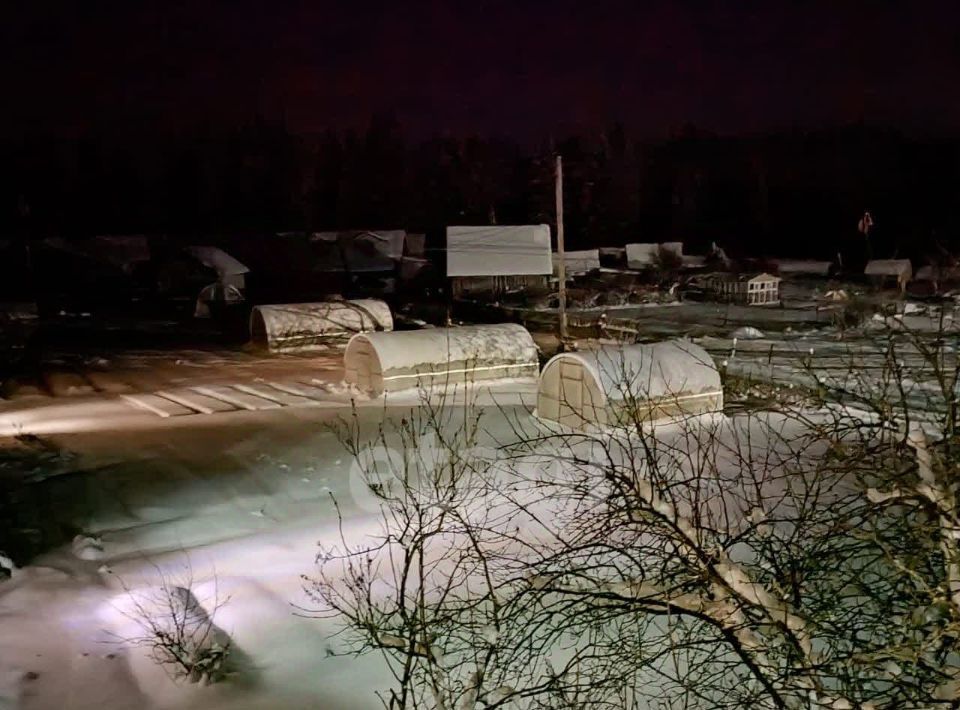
853	314
667	262
176	630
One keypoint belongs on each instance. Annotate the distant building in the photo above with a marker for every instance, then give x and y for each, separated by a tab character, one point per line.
612	257
881	270
645	256
750	289
578	262
497	259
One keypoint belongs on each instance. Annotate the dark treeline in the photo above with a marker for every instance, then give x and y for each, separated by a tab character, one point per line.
786	194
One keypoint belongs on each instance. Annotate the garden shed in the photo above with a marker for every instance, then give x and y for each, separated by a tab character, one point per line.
884	270
299	325
387	362
608	386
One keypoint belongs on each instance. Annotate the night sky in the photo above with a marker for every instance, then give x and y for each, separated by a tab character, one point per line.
525	69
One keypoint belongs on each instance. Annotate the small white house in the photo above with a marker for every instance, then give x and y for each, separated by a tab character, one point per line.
750	289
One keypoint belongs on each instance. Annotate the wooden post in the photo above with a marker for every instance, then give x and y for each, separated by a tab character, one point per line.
561	266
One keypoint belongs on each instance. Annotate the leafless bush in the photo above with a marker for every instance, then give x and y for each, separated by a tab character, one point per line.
667	261
176	630
853	314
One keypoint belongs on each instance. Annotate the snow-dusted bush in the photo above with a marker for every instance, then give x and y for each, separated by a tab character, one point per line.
175	629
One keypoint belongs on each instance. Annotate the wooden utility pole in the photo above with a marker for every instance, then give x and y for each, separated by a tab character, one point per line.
561	265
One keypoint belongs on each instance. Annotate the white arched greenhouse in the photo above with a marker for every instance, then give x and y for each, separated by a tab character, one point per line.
387	362
300	325
618	385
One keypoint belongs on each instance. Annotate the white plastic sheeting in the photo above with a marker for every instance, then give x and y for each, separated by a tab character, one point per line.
499	251
388	362
578	262
609	386
302	325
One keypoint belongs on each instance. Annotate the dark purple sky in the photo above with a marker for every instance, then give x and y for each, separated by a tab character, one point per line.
515	67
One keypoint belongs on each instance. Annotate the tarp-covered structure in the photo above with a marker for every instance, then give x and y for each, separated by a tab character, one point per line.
358	251
619	386
432	357
230	271
229	286
291	326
